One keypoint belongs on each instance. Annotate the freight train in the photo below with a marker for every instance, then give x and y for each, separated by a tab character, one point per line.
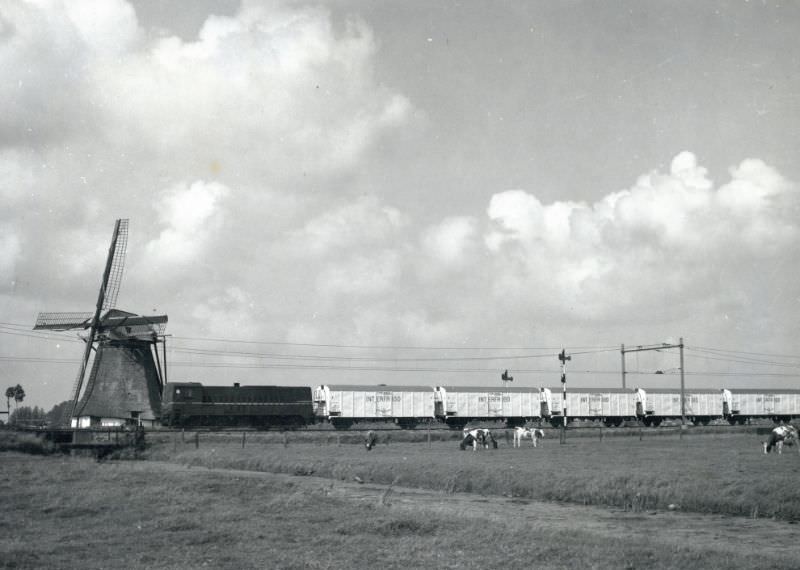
192	404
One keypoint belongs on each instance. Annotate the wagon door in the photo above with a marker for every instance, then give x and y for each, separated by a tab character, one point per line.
596	405
383	404
495	404
769	403
690	403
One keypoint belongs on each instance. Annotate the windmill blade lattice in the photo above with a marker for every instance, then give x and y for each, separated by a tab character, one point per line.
55	321
117	266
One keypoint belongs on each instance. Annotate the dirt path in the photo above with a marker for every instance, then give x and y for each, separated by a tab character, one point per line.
731	535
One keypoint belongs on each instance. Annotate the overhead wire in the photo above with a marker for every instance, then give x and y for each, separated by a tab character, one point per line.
706	353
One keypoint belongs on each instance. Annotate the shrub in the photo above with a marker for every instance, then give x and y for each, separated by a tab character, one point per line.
25	443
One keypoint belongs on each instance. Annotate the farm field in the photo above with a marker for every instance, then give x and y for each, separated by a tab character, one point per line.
716	473
62	512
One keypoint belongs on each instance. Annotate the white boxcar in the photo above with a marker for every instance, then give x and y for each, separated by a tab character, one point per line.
701	406
459	405
611	405
760	403
344	404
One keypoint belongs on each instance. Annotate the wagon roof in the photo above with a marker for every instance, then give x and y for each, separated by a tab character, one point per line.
590	390
374	388
764	391
515	389
686	390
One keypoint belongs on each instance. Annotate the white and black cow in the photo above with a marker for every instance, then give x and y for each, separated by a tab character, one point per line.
780	435
370	440
476	437
521	433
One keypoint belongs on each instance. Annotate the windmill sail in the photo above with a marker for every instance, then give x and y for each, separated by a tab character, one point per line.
115	265
63	321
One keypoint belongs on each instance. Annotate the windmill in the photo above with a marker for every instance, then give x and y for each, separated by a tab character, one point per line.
126	381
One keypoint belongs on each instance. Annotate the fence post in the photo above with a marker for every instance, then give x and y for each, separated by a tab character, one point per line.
601	433
244	437
338	440
197	440
640	434
183	435
429	436
285	440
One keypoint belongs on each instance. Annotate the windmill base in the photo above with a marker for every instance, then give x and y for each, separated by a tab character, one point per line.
86	422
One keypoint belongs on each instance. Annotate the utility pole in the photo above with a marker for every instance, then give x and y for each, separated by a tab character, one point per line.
622	352
563	358
683	401
661	346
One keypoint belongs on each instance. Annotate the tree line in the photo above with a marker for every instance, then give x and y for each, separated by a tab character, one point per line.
27	416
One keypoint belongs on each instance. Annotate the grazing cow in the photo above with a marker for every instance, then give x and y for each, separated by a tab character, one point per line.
475	437
779	436
468	440
370	440
521	433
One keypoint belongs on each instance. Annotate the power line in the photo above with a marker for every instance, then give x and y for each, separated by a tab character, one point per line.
749	361
362	346
705	348
241	354
713	354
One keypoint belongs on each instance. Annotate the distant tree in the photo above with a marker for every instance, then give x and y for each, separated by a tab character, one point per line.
10	392
55	415
28	416
19	395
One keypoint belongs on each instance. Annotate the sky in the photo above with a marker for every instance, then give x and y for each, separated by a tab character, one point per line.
407	192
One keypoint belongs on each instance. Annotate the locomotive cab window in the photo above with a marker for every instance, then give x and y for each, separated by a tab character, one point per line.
183	393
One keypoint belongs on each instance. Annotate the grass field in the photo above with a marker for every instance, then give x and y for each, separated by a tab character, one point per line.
61	512
723	473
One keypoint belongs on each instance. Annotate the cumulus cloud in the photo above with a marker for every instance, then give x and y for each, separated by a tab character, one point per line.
228	314
252	117
361	276
191	215
361	223
452	240
669	235
270	86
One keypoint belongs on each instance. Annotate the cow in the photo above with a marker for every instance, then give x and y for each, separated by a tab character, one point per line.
476	437
521	433
782	434
370	440
468	440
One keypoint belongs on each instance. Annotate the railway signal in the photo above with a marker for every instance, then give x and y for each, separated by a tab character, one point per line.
564	358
